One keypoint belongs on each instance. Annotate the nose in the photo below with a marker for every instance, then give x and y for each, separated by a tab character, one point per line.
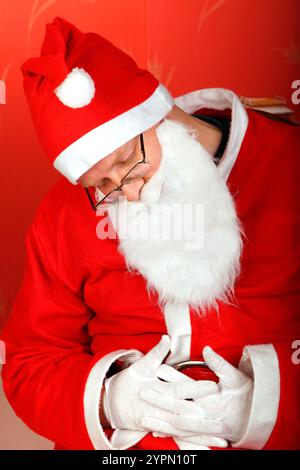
132	190
115	178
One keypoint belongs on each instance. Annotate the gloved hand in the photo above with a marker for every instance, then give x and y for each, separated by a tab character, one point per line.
230	406
193	442
123	406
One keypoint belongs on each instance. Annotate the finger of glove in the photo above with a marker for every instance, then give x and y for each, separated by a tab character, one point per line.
148	364
229	374
198	425
172	405
163	427
183	426
169	374
194	389
186	445
204	440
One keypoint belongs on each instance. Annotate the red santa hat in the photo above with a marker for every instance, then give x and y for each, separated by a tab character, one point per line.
87	98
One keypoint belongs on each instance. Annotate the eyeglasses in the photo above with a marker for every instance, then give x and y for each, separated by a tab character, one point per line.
132	175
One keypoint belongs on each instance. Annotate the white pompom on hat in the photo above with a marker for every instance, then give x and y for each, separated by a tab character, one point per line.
77	89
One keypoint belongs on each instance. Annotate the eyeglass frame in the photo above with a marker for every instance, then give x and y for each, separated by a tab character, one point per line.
118	188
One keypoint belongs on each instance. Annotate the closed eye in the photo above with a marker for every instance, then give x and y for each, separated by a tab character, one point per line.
131	180
128	157
127	160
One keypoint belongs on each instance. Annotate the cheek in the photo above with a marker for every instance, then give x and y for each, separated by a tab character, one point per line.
132	191
153	167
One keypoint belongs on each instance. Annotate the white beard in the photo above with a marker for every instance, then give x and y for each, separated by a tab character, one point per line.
198	274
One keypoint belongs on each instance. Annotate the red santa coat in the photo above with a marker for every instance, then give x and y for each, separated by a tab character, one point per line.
79	309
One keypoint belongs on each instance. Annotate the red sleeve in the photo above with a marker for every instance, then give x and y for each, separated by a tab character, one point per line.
47	352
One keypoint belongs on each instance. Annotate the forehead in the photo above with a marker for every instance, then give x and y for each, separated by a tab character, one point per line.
117	154
106	163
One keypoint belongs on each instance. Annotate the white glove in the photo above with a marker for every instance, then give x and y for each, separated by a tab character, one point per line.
230	406
193	442
232	403
123	406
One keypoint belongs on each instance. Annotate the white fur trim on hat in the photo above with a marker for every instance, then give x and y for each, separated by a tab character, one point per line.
77	90
89	149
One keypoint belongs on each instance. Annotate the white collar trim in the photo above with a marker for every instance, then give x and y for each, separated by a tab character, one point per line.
220	98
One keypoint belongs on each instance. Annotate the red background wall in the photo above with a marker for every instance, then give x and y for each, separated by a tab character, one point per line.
252	48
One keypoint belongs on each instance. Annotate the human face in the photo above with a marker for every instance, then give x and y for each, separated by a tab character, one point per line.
108	172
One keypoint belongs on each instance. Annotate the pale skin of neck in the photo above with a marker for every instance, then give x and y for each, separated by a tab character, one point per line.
208	135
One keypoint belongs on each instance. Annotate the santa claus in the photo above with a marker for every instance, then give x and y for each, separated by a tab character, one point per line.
177	243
